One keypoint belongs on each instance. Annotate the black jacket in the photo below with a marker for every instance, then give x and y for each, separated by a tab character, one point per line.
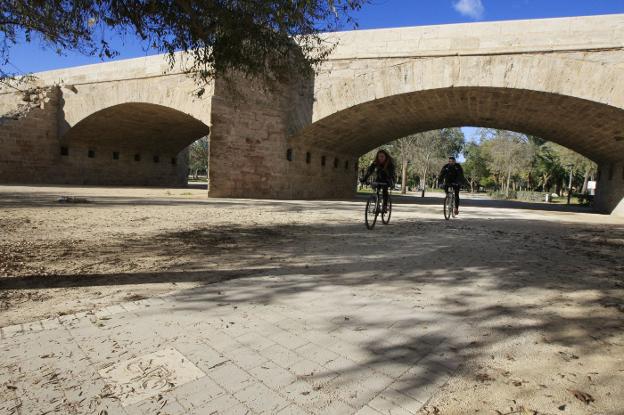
387	175
452	174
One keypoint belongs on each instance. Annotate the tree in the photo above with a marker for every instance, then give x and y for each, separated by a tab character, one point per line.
475	166
425	152
569	160
199	156
404	152
270	39
431	149
507	153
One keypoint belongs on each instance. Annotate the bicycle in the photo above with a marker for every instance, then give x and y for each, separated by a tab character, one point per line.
374	206
449	202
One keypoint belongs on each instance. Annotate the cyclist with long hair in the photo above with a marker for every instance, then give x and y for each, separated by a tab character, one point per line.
383	167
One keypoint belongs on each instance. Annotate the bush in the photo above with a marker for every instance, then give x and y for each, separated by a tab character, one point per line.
498	195
531	196
525	196
585	199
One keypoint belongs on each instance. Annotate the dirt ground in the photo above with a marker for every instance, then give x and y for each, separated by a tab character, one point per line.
543	285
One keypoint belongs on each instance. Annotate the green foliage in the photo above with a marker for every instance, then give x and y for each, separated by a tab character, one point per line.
498	195
475	167
199	155
270	39
517	165
424	153
530	196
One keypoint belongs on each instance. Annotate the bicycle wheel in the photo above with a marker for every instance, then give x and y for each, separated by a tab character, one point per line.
448	205
453	207
385	216
370	215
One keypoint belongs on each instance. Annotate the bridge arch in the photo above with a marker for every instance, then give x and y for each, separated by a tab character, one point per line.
563	98
134	143
593	129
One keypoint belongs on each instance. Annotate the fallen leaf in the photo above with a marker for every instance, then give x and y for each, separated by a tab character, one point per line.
582	396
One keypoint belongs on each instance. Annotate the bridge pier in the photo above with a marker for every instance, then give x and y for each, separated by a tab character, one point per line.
610	191
252	155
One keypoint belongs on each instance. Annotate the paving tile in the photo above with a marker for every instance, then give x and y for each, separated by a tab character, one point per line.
261	399
421	382
11	331
254	341
246	357
367	410
282	356
273	376
293	410
201	354
316	353
360	387
230	377
148	375
305	395
289	340
162	405
306	368
393	402
223	404
336	407
197	393
221	341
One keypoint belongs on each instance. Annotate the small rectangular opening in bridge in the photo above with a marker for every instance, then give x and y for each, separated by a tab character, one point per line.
289	154
137	157
308	157
64	151
115	155
91	154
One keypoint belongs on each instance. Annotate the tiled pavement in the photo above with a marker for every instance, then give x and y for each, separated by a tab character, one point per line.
254	345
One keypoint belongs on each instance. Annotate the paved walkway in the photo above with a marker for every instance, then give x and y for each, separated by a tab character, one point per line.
234	348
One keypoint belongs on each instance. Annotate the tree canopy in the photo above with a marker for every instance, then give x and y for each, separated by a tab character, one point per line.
498	160
270	39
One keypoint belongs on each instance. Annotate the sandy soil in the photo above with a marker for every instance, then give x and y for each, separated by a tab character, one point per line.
544	288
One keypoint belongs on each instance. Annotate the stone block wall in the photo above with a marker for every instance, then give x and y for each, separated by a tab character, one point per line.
29	146
251	155
32	152
610	191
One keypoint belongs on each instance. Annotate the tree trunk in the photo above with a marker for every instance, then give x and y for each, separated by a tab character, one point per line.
585	182
404	176
546	187
424	182
508	181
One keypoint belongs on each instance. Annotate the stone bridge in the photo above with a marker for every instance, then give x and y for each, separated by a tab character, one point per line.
128	122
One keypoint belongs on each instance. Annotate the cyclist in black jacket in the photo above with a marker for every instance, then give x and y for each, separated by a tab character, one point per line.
452	175
383	166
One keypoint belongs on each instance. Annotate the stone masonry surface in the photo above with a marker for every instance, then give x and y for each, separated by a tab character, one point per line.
220	351
561	79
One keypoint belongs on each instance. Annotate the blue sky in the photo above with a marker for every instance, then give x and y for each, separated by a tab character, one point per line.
378	14
28	58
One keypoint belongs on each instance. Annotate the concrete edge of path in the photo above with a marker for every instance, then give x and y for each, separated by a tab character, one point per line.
56	322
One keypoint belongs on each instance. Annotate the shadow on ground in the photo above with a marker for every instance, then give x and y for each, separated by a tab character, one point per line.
503	276
16	200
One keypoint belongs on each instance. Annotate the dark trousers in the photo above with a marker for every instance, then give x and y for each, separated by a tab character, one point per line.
384	190
456	190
